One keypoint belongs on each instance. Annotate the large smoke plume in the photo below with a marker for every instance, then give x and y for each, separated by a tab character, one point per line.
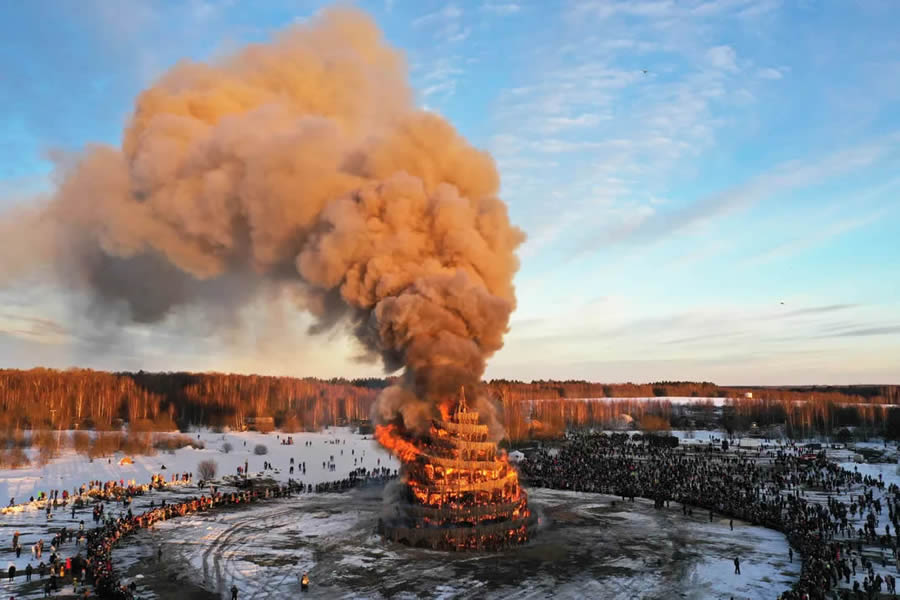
300	164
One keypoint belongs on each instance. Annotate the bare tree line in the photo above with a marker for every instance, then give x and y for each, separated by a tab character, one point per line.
53	400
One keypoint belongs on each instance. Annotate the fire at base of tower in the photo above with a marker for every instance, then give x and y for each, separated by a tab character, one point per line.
458	492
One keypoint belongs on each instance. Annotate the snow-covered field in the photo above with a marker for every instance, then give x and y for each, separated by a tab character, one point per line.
346	450
678	400
586	546
339	447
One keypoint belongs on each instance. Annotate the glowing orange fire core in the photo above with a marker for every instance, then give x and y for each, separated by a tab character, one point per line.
462	490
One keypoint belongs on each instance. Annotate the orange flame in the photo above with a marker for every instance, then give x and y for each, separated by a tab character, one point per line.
388	437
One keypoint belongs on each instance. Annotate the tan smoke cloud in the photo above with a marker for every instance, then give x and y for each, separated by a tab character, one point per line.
300	163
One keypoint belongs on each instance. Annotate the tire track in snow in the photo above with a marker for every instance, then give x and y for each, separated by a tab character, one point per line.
227	545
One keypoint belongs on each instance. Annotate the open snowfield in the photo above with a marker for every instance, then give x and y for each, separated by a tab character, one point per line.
586	546
338	446
70	470
677	400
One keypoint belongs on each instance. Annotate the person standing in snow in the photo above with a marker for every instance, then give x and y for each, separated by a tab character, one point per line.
737	565
234	592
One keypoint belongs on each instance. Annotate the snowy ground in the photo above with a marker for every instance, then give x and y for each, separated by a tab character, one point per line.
678	400
71	470
882	561
586	546
338	446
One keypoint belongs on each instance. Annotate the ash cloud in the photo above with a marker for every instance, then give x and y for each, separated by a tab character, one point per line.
300	164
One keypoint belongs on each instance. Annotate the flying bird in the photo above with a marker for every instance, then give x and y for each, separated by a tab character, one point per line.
645	71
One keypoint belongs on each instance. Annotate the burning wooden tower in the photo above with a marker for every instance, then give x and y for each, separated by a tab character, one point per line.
459	493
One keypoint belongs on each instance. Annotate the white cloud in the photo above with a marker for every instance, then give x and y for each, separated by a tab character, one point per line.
744	96
446	24
446	87
442	70
448	13
818	234
759	8
783	178
671	10
553	124
816	239
770	73
454	34
33	328
604	9
556	146
442	77
722	57
203	10
501	8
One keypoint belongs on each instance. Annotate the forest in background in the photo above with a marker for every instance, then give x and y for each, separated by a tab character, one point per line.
47	399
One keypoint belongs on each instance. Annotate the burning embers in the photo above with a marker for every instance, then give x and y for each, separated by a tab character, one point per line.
458	494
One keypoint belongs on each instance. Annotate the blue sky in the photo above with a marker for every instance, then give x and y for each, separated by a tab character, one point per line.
669	213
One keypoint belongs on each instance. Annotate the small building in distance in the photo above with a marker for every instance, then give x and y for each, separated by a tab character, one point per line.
363	426
263	424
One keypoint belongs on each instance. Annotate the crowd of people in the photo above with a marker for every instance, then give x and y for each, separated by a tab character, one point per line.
94	490
356	478
94	567
767	490
102	539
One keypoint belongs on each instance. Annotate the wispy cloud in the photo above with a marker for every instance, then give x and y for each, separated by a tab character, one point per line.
816	310
770	73
450	12
589	100
723	57
817	237
501	8
785	177
869	331
446	24
440	78
705	337
554	124
777	342
670	9
42	330
854	212
604	9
